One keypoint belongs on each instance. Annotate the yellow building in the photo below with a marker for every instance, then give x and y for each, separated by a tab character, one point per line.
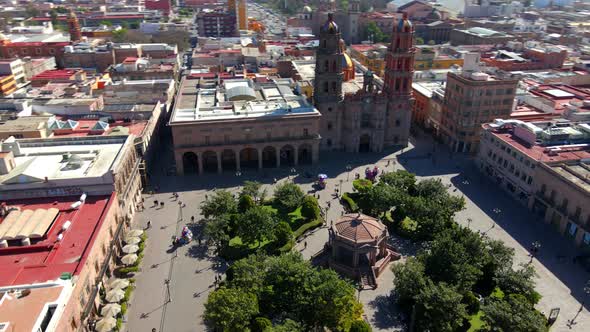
440	62
7	85
371	56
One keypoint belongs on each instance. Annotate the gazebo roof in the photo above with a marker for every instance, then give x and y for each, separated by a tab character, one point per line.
358	228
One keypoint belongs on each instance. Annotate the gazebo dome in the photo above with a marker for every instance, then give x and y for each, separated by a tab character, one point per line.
359	228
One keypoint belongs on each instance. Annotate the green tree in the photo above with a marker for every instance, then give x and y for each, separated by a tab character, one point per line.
288	196
248	274
439	308
400	179
360	326
119	35
282	233
514	313
379	199
431	42
229	309
431	188
288	325
106	23
220	203
255	225
409	280
252	188
245	203
362	185
519	281
217	230
372	30
261	324
419	41
31	11
53	15
310	208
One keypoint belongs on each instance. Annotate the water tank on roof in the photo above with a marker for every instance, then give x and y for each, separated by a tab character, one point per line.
25	242
586	103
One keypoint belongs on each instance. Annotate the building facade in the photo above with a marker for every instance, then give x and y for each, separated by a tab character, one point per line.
471	99
362	116
248	125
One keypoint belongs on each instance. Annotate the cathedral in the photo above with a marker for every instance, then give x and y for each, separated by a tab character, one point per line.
364	114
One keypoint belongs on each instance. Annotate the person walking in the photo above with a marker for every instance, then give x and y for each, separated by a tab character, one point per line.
305	245
149	224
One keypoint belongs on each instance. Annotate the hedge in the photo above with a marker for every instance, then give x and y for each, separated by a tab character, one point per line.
128	292
349	203
307	226
123	308
119	324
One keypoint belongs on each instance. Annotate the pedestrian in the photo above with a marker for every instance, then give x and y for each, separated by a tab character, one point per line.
174	241
192	219
149	224
162	204
154	329
156	202
305	245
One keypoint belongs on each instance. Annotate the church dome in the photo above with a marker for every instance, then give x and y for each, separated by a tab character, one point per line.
330	26
434	15
404	24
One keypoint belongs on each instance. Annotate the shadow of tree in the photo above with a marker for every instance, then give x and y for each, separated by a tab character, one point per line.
387	315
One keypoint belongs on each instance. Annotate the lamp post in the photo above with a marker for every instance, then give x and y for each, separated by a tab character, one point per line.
348	168
586	289
469	220
535	246
293	171
167	283
341	190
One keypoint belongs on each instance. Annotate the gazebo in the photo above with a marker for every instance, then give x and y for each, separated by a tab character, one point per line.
358	247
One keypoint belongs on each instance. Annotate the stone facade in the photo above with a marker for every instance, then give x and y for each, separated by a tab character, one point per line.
369	118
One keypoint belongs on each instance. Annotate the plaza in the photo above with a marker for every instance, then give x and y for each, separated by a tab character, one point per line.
191	270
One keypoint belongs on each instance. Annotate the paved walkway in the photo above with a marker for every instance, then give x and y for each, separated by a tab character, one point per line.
192	268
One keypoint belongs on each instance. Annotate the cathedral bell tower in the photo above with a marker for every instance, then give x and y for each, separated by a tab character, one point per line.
74	27
399	71
328	67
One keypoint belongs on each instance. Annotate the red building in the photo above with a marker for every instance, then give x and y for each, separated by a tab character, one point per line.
164	6
58	76
529	59
10	50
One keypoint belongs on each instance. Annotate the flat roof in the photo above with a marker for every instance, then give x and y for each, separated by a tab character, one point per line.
47	258
205	100
21	313
45	158
576	174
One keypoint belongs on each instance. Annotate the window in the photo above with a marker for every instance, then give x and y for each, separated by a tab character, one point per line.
334	86
325	86
207	139
305	132
329	109
397	122
268	135
329	125
329	142
37	51
226	139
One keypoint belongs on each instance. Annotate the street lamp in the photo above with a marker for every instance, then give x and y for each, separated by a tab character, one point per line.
469	220
167	283
586	289
535	246
348	168
293	171
341	190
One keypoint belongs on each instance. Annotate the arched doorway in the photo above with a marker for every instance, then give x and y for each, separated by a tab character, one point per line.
249	158
304	154
210	161
190	163
287	155
269	157
228	160
365	143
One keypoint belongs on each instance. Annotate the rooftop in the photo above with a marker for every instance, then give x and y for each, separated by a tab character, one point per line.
234	98
56	251
359	228
23	311
61	159
576	173
545	141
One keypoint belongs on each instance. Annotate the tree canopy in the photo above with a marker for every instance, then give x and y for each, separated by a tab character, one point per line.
255	225
230	309
288	195
220	203
289	286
